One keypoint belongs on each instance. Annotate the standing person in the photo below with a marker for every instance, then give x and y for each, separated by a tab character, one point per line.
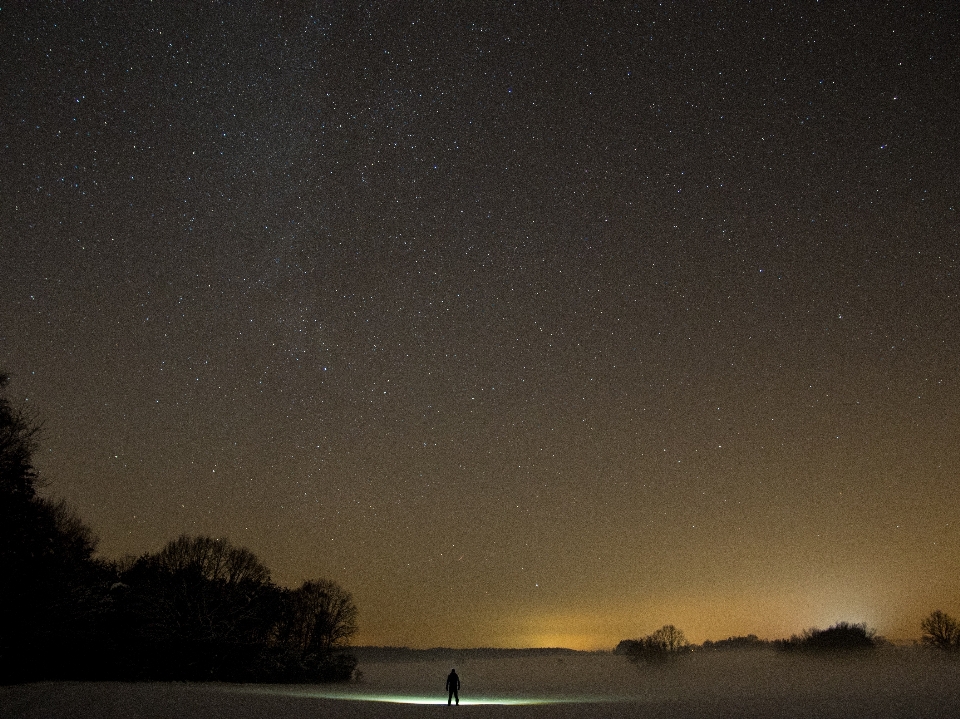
453	686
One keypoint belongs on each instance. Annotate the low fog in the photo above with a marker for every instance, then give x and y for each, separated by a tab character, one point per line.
889	683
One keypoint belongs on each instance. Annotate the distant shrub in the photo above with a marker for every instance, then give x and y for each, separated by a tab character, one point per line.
941	631
625	647
840	637
666	643
751	641
281	665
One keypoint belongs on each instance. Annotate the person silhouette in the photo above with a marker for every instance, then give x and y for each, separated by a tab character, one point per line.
453	687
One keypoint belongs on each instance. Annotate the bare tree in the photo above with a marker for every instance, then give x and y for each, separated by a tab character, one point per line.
320	616
940	630
669	639
201	589
213	559
665	643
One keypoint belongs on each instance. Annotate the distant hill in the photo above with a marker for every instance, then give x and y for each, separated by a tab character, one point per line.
405	654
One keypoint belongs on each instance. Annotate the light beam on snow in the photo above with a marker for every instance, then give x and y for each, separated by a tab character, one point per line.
315	693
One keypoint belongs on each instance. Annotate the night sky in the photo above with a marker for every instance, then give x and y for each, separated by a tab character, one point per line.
533	325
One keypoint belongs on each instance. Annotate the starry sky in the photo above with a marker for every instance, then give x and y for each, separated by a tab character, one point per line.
533	324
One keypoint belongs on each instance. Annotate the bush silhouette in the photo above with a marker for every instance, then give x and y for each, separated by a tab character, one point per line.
750	641
840	637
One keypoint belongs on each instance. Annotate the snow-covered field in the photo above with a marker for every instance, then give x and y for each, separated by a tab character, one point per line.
889	683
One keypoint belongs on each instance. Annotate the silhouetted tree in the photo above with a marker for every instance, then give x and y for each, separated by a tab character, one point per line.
316	622
665	643
18	478
940	630
320	616
199	608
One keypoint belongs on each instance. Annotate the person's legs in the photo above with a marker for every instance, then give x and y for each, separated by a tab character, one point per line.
456	696
450	698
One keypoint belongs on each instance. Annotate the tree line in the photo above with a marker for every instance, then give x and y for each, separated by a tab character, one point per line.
198	609
938	630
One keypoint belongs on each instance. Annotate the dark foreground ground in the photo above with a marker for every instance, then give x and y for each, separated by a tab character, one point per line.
894	683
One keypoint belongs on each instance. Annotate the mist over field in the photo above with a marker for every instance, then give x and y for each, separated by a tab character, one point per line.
763	683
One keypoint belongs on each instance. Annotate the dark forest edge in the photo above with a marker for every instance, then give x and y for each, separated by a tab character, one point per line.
201	609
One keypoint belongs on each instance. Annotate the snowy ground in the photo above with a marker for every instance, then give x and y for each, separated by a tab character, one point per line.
893	683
